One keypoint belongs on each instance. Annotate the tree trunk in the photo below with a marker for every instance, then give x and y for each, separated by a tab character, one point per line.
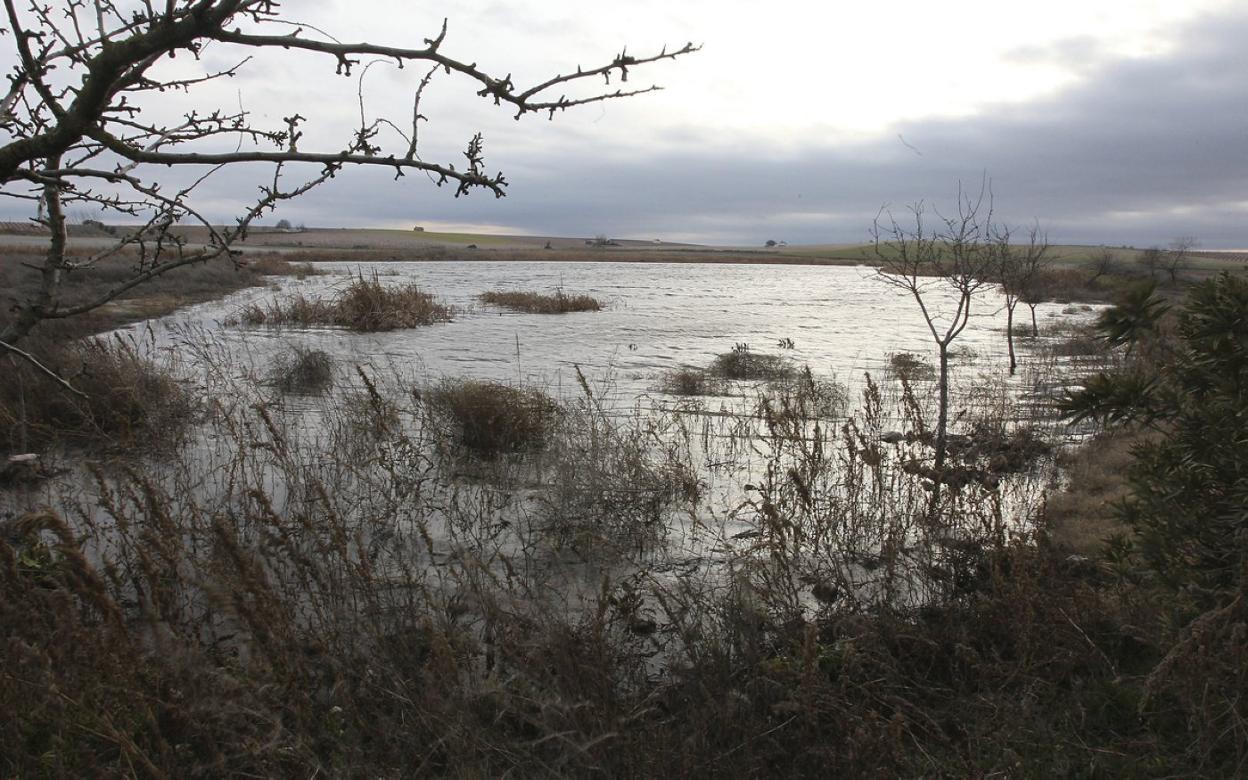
942	423
1009	333
1035	332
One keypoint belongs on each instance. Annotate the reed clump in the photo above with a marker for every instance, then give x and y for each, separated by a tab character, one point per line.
540	303
807	396
689	381
743	364
364	305
303	371
491	419
910	367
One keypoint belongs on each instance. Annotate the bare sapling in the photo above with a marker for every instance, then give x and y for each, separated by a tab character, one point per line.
929	259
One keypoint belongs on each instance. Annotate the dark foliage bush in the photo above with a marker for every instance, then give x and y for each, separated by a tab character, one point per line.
1189	487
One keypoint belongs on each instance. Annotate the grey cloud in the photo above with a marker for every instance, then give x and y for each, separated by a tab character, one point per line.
1138	152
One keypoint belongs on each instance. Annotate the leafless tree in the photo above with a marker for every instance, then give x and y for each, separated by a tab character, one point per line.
1178	256
1033	295
1020	269
1104	263
83	127
1151	260
935	252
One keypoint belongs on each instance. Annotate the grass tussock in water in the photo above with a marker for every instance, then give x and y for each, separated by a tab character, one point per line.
540	303
743	364
805	396
303	371
911	367
491	419
365	305
687	381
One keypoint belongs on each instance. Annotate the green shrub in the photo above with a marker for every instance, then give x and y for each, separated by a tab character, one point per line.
1189	487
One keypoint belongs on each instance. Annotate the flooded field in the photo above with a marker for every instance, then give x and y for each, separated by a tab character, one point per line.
616	477
842	321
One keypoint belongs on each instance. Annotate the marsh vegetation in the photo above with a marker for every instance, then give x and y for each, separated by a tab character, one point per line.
444	574
365	304
557	302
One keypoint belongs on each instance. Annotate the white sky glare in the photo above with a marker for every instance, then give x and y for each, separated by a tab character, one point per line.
785	68
1124	121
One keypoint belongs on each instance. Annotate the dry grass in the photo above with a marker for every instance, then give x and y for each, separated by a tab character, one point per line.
155	298
1083	516
365	305
130	402
807	397
742	364
303	371
491	419
540	303
352	606
686	381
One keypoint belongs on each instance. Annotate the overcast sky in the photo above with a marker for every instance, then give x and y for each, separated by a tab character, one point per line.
1108	121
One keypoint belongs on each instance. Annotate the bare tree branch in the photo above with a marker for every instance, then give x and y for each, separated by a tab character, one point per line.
41	368
81	130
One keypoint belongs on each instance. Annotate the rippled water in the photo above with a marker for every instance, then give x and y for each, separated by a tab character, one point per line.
842	320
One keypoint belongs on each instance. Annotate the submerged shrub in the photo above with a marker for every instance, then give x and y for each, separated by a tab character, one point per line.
909	367
741	363
365	305
690	381
492	418
540	303
808	397
613	482
303	371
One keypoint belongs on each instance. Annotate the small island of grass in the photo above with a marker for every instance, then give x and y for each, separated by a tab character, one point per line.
540	303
